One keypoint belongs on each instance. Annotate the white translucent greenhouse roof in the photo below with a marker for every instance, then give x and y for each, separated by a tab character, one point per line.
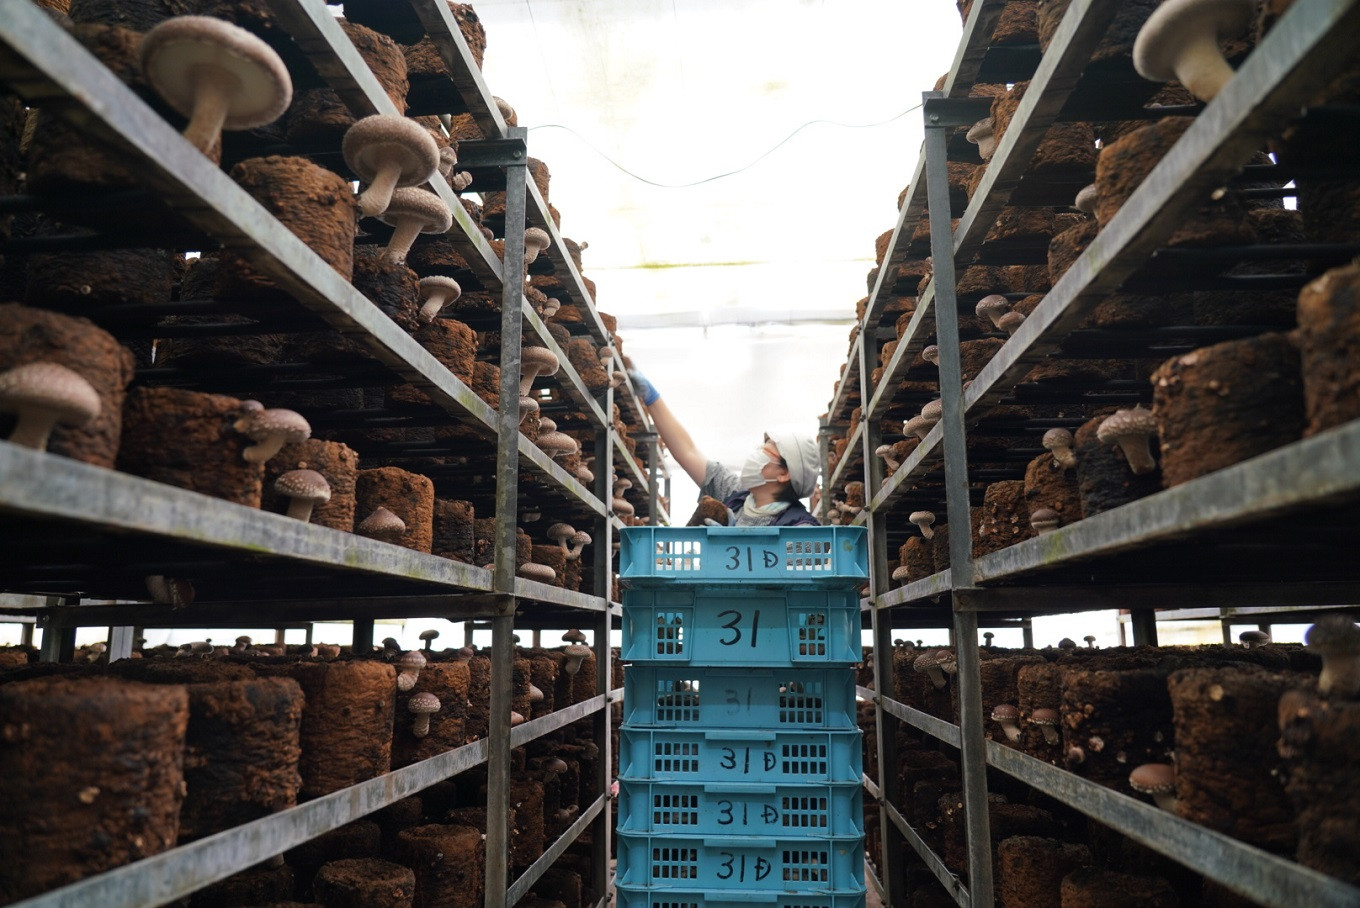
678	91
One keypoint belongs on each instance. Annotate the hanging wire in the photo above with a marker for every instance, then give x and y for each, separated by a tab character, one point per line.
729	173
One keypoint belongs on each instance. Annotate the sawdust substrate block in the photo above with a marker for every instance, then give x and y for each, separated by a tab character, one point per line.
346	730
1038	685
423	59
1030	870
449	681
452	529
1090	888
338	462
255	886
319	117
365	883
1322	782
585	359
1004	520
449	863
408	495
1220	405
186	439
1119	35
1117	719
109	754
81	280
1048	485
357	839
1329	342
1103	476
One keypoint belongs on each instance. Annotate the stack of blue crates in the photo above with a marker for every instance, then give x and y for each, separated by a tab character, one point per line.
739	755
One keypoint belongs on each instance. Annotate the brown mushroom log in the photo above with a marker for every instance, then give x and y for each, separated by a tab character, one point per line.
346	730
1219	405
448	681
1329	334
1030	869
449	863
30	336
91	775
1117	43
1114	720
1317	739
1227	768
336	461
1004	518
81	281
318	117
1050	485
361	838
1093	888
365	883
408	495
241	743
917	557
1103	476
187	439
315	204
252	886
1038	688
452	532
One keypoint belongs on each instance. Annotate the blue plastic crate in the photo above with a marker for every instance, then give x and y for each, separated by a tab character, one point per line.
703	625
737	808
829	556
665	897
742	862
782	699
735	755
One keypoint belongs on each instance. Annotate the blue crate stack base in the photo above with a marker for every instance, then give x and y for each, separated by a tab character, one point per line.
739	755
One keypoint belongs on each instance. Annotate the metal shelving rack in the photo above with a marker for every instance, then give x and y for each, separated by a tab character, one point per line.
73	516
1191	538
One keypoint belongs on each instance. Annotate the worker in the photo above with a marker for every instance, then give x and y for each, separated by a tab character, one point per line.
780	472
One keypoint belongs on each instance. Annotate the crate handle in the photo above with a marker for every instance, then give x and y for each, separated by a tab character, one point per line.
744	531
734	734
737	841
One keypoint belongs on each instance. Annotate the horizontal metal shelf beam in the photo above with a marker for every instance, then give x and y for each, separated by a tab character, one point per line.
1064	599
1318	471
171	875
520	887
1262	877
947	732
932	587
536	728
1293	614
45	486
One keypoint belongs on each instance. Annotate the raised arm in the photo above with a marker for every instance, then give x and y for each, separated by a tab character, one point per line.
672	432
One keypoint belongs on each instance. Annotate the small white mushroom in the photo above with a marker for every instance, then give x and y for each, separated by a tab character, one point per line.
541	573
305	489
1085	202
536	240
1010	322
576	654
983	135
886	452
1045	520
382	525
535	361
992	307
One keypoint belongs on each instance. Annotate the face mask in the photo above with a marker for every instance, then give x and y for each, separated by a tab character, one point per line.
750	475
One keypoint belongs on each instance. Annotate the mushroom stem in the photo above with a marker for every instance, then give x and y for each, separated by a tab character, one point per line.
937	677
1201	67
1050	734
421	728
301	509
1167	799
403	235
263	450
214	88
34	428
374	200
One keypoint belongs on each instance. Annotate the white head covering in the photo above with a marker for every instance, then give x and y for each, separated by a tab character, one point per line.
800	453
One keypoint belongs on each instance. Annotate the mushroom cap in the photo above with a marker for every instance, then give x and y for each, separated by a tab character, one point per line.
918	425
931	354
423	703
381	524
1045	518
581	537
577	650
991	306
980	130
175	52
1057	438
507	112
1085	201
1178	23
1138	421
304	485
560	532
540	572
574	636
261	424
52	387
411	659
389	140
1334	634
429	634
1005	712
927	660
919	517
933	410
542	357
1044	715
555	444
1253	638
537	239
1153	779
1010	321
426	207
441	282
901	573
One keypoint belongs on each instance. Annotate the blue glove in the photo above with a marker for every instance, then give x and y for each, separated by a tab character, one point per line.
645	389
